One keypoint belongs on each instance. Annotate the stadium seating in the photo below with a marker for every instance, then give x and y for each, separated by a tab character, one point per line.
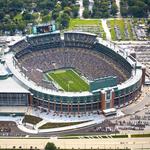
44	41
45	52
19	46
73	39
90	64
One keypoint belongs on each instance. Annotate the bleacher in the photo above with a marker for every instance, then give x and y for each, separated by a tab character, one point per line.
90	64
116	57
79	39
19	46
80	51
44	41
35	43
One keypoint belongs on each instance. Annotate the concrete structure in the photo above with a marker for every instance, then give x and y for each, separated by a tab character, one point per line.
98	100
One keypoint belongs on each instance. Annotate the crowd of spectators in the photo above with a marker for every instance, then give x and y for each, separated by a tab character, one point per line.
89	63
46	52
19	46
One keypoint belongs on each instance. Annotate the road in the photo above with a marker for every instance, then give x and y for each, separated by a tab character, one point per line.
78	143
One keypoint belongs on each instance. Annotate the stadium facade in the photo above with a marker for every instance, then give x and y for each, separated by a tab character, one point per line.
23	91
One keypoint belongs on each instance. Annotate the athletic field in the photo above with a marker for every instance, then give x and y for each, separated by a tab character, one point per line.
68	80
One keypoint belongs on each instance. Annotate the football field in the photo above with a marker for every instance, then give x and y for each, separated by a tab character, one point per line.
68	80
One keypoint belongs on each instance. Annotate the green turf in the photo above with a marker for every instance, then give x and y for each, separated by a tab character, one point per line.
90	25
68	80
59	124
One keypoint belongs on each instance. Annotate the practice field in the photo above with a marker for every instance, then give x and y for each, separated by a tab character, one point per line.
68	80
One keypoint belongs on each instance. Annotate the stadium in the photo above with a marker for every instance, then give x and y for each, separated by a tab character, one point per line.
71	72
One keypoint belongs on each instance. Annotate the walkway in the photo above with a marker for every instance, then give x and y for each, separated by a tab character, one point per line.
106	29
81	9
118	5
92	119
91	3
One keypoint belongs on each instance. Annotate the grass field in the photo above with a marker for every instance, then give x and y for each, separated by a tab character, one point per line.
68	80
50	125
90	25
31	119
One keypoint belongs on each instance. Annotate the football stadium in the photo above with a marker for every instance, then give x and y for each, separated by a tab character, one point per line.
71	72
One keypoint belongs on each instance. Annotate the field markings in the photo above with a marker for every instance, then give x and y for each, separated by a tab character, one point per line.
68	80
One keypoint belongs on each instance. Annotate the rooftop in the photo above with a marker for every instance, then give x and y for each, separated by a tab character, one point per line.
10	85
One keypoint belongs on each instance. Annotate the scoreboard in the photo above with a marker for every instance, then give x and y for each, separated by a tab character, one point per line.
101	83
43	28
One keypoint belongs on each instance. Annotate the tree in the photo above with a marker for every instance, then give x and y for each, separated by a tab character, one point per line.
67	10
86	13
114	9
63	20
1	15
50	146
27	16
75	10
55	15
135	8
124	11
85	3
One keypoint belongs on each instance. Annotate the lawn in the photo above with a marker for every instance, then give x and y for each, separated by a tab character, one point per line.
140	135
31	119
75	22
90	25
58	125
68	80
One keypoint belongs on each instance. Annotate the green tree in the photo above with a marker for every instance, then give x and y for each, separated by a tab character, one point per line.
50	146
27	16
67	10
85	3
114	9
86	13
75	10
1	15
124	11
64	20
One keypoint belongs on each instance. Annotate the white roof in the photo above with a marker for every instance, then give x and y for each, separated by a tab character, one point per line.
10	85
109	110
3	71
81	32
43	34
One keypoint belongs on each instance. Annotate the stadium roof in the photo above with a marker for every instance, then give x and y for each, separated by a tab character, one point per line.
43	34
88	33
10	85
3	71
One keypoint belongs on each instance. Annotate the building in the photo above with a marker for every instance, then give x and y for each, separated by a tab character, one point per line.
66	51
